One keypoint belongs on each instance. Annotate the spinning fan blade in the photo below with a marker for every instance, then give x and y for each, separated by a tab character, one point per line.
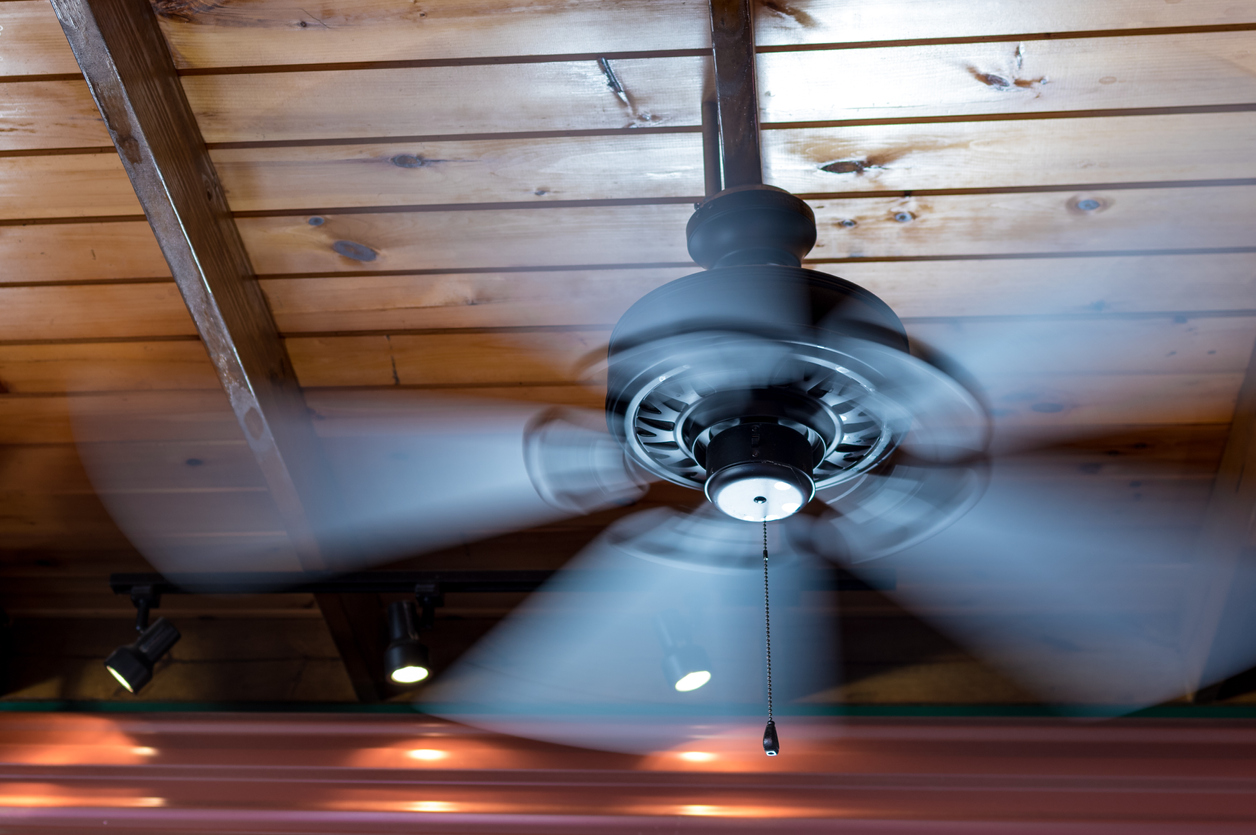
428	475
901	503
614	653
1094	617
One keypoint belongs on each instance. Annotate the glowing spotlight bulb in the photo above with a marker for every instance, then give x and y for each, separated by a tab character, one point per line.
693	681
409	675
405	659
780	485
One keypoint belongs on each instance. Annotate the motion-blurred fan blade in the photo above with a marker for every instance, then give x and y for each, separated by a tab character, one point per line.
438	472
593	658
942	421
1094	616
899	504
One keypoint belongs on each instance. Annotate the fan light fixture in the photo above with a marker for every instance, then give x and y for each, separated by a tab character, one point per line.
406	659
132	665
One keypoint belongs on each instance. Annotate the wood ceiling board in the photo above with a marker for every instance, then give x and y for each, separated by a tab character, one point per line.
32	520
106	366
204	513
642	165
995	287
185	465
486	300
1074	285
39	115
836	21
258	32
1127	453
261	33
1014	153
1063	402
1032	346
33	41
446	359
962	155
458	240
986	350
93	311
118	416
438	101
1037	222
1008	78
951	225
79	252
847	84
1048	403
69	185
356	412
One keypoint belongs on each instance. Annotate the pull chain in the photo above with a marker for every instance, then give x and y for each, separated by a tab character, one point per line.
771	745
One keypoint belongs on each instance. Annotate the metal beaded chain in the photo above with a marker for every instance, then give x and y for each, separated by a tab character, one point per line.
767	616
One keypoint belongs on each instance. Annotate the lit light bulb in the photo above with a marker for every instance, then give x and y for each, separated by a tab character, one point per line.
693	681
409	675
780	485
427	754
120	679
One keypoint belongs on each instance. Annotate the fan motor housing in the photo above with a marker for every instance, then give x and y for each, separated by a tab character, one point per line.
734	379
742	345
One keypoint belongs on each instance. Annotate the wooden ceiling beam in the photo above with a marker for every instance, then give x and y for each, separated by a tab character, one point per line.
1227	543
127	64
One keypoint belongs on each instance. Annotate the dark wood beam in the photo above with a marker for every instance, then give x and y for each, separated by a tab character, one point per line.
127	64
737	91
1227	544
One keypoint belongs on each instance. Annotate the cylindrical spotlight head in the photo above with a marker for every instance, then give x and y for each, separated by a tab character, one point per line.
687	668
406	662
406	659
132	665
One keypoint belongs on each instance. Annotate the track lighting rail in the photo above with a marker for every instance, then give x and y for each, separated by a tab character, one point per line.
420	583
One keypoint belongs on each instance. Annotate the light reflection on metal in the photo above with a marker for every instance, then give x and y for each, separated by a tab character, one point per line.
697	756
52	795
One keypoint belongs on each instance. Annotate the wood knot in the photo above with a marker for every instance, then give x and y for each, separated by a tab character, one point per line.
356	251
409	161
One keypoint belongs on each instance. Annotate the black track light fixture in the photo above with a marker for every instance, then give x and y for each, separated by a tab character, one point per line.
686	665
132	665
406	659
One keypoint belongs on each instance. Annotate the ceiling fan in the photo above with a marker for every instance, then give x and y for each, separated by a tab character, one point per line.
786	396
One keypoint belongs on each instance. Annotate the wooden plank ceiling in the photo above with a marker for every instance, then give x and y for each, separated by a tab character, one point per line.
466	196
